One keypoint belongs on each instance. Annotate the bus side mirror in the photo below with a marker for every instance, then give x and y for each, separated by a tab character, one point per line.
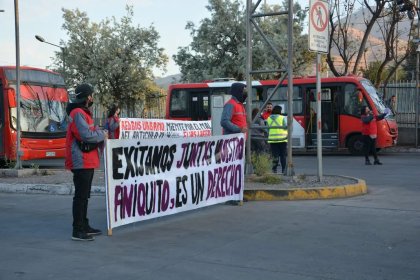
12	99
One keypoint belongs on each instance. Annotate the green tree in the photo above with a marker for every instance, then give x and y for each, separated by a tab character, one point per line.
410	64
372	71
218	46
115	56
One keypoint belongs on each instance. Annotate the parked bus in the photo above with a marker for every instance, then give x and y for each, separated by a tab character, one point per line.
43	124
341	101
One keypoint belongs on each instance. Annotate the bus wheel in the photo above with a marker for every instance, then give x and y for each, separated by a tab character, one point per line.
356	145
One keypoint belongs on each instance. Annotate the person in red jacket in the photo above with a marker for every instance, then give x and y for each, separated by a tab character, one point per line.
369	132
267	111
113	122
234	115
82	157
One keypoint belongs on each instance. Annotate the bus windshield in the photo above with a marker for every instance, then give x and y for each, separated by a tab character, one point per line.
42	109
373	93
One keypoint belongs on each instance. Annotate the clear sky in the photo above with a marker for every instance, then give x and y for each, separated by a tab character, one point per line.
44	18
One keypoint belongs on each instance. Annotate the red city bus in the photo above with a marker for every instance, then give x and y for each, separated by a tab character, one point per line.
341	101
43	124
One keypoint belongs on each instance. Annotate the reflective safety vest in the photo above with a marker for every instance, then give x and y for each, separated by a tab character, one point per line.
238	114
277	135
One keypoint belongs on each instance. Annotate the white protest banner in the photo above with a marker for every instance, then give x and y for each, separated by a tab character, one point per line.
136	128
147	179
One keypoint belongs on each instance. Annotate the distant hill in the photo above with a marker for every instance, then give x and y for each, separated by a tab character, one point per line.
357	22
164	82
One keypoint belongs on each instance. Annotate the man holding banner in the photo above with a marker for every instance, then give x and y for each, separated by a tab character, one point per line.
82	157
234	115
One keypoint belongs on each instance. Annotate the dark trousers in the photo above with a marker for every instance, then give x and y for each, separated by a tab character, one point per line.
370	147
82	179
279	150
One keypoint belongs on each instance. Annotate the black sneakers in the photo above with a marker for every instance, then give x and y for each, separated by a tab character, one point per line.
85	235
376	162
93	231
81	236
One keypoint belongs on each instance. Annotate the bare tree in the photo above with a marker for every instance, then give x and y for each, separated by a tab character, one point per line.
391	37
352	47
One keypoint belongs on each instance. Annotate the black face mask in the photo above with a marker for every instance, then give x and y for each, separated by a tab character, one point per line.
243	97
90	103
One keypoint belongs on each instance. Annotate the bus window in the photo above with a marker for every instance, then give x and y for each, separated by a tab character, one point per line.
257	97
374	96
352	102
42	109
257	94
329	104
280	98
179	103
200	107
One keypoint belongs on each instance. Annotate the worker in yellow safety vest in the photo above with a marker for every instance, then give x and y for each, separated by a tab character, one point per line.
277	138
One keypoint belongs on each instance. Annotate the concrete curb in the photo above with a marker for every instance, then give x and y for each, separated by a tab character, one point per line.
350	190
250	194
400	149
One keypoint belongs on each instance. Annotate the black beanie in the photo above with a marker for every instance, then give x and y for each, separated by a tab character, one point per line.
237	90
82	92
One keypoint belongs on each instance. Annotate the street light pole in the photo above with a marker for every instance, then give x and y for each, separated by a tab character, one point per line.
417	96
417	76
63	50
18	151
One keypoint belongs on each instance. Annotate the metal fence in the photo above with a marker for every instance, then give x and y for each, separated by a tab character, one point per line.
154	110
405	91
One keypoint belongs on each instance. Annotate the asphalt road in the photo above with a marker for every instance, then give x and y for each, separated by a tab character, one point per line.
375	236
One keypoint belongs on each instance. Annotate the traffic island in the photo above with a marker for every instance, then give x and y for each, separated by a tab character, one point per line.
302	187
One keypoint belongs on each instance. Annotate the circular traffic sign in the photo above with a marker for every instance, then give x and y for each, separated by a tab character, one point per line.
319	16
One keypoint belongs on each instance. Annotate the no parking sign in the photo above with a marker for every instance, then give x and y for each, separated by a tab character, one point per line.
319	17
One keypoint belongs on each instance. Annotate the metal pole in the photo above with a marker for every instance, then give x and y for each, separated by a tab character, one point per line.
417	98
417	78
18	151
63	50
248	167
318	116
396	51
290	169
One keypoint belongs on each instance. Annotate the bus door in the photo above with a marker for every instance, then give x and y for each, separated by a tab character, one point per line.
329	116
200	105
